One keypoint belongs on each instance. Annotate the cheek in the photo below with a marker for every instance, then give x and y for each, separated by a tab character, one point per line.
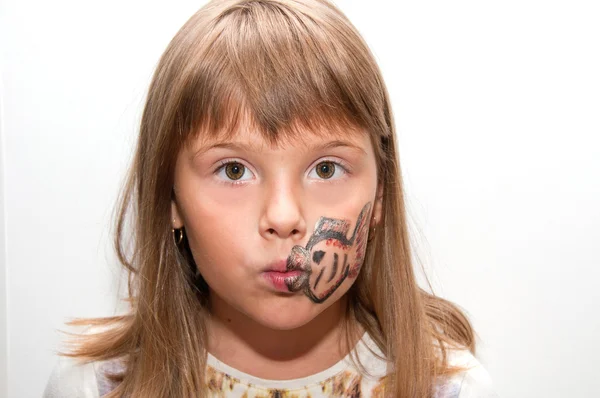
350	193
330	266
219	229
336	257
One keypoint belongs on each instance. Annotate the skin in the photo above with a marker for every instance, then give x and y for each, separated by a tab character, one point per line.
329	249
280	210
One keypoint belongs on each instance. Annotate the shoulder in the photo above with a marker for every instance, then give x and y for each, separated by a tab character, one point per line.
473	382
73	377
70	378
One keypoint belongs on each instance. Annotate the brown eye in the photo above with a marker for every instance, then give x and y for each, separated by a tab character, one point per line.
325	170
234	170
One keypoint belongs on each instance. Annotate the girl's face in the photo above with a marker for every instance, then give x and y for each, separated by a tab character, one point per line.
277	231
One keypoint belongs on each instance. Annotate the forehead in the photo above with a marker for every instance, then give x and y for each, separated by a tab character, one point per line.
297	137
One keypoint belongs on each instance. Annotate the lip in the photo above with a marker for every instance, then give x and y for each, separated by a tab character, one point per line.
287	275
277	266
282	281
294	262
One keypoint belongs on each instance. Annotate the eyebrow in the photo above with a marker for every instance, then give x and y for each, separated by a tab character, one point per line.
238	145
338	144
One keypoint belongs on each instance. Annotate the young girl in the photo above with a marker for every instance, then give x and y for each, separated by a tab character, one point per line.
269	253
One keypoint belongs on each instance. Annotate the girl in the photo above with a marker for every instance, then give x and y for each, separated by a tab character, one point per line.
269	254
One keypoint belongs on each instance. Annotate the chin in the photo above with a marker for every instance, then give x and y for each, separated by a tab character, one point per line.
286	314
277	322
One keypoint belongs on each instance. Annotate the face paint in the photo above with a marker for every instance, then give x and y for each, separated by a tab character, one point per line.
329	257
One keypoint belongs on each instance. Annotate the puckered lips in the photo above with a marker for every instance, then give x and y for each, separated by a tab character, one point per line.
285	276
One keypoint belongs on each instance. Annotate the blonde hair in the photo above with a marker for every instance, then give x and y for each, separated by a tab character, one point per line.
282	64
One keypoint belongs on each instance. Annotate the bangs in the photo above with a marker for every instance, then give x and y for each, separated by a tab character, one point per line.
280	71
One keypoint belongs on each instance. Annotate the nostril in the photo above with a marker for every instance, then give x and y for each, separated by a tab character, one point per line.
271	231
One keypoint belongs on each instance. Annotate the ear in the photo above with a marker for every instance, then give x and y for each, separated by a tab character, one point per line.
176	220
378	206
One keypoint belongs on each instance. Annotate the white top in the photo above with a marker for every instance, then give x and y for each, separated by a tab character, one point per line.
72	380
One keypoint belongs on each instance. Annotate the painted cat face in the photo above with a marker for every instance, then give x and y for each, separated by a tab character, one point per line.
330	256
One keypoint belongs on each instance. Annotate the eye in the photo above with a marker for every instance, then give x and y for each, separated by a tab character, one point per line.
327	170
234	171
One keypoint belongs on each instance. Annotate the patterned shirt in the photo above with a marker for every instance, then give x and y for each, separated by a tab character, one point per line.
343	379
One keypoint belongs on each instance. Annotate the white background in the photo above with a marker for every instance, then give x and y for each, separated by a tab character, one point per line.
497	105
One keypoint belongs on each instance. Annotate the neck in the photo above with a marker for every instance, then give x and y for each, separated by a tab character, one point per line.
244	344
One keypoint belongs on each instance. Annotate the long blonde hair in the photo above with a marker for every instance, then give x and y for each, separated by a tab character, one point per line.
283	63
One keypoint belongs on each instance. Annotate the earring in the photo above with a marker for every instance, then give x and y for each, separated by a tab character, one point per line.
177	235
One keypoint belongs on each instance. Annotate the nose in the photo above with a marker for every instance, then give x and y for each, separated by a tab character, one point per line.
282	215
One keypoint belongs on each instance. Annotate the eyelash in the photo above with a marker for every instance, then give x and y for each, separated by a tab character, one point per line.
338	163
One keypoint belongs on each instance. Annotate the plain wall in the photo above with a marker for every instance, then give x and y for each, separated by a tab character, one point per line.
497	108
3	265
